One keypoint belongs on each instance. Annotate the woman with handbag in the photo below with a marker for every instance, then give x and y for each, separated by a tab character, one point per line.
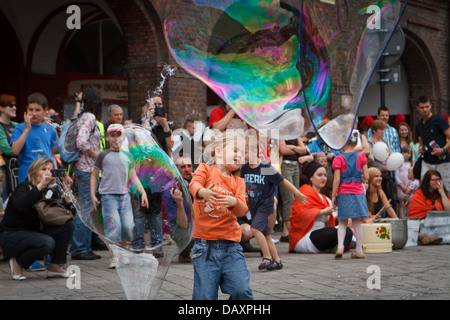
22	237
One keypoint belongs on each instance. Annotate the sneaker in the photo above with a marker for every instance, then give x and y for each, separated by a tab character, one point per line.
275	265
112	263
265	264
36	266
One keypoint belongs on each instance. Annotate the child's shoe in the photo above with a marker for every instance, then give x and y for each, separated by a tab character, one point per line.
275	265
359	255
265	264
339	253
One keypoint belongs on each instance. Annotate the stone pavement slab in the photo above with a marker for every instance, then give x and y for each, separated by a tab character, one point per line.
413	273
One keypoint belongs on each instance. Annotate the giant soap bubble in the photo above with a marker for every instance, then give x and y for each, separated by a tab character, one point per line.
142	270
284	65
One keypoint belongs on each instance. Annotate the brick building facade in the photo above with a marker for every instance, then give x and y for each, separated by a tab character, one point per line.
426	25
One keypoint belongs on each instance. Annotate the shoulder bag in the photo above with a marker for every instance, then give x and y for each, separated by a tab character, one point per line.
52	213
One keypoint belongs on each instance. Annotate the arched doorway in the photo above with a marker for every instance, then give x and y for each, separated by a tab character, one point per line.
418	77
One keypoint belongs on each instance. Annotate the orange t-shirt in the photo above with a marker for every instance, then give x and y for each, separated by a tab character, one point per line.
217	222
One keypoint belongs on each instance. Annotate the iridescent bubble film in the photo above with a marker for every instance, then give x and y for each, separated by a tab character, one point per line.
142	270
284	64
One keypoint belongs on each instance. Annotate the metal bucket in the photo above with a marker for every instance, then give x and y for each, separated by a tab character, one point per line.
399	231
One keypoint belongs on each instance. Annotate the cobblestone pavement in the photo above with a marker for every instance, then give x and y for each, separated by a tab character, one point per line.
411	273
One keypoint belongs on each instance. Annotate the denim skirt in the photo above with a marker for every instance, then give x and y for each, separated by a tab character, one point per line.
352	206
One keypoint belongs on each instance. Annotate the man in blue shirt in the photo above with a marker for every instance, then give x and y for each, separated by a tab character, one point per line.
433	132
33	138
390	133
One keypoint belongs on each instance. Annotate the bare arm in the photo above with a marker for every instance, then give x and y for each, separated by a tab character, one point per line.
336	182
222	123
93	185
300	196
181	218
17	145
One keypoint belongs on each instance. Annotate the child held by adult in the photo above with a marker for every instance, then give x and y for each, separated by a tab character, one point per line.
401	179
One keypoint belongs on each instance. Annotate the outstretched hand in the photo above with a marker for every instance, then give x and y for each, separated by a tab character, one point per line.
301	198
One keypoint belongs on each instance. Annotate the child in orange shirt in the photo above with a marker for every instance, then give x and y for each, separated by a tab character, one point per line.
219	198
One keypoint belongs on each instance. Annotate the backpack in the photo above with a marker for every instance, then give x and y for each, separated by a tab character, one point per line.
67	142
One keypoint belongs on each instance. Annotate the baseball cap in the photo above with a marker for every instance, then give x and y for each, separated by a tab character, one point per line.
115	127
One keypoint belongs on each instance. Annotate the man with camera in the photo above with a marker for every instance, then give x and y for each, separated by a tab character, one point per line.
156	119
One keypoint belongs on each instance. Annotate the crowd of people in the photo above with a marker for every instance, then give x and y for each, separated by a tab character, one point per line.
242	185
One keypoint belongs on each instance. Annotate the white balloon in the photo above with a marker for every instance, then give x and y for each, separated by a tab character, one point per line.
380	151
394	161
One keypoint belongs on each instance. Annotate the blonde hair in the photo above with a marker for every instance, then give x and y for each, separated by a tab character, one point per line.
220	140
34	168
372	173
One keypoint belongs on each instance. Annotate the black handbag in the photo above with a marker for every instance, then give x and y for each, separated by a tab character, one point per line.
52	213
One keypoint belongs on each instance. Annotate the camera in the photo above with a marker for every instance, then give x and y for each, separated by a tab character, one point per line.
60	173
159	112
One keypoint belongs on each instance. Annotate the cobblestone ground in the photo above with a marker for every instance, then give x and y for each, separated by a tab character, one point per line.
411	273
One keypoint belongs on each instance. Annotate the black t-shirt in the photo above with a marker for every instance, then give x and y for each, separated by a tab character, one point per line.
160	135
260	183
8	128
433	130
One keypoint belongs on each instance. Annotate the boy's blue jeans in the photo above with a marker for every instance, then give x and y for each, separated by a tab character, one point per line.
117	215
221	264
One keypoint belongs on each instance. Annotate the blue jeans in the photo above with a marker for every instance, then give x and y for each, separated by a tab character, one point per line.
220	264
82	235
117	217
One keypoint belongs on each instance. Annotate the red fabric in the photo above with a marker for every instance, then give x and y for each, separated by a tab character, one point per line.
303	216
420	205
216	115
367	121
399	119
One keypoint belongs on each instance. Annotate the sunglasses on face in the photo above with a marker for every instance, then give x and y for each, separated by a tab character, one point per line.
12	105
